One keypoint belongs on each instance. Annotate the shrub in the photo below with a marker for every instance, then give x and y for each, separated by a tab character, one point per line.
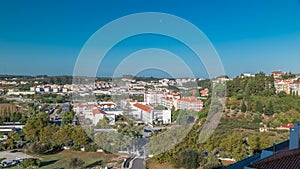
30	162
38	148
75	163
91	147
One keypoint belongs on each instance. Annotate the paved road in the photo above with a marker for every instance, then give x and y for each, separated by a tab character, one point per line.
137	163
13	156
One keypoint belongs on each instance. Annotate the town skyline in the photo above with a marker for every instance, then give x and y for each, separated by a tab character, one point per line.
145	76
46	38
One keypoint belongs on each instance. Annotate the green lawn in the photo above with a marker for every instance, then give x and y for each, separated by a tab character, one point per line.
62	159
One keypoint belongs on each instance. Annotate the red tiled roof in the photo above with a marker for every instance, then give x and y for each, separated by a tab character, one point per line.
143	107
176	94
284	81
100	82
190	99
282	160
131	101
97	111
291	125
91	106
107	104
277	72
204	92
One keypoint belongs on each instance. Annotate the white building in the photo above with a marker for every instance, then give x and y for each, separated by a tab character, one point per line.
190	103
96	112
148	115
153	97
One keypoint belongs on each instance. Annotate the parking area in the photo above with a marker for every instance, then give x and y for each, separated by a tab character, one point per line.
13	155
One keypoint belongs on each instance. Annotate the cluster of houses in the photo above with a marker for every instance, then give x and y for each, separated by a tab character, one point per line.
145	112
291	85
138	111
281	127
69	88
13	82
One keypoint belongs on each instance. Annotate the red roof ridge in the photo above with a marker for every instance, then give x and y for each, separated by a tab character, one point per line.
190	99
98	111
143	107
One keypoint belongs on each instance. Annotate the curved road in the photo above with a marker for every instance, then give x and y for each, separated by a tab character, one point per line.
137	163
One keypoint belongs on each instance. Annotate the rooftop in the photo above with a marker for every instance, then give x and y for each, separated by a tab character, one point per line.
143	107
190	99
284	159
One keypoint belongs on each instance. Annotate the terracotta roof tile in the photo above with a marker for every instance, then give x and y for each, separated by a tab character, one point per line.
277	72
291	125
143	107
190	99
282	160
97	111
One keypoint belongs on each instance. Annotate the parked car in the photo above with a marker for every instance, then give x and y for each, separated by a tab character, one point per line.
4	164
14	151
14	162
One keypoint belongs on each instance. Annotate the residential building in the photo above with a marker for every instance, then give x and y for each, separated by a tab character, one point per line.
167	102
96	112
143	112
283	85
153	97
243	75
277	74
148	115
295	87
204	93
190	103
163	116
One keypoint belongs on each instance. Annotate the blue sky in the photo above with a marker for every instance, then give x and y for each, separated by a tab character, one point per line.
45	37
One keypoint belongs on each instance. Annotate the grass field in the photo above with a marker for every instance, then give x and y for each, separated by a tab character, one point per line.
62	159
152	164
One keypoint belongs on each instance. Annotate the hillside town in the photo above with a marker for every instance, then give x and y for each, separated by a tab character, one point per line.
109	105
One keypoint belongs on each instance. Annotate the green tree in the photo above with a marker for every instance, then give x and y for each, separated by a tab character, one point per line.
79	137
244	107
188	159
257	142
63	136
46	135
212	162
34	126
269	109
175	115
30	163
103	123
259	106
282	94
220	90
10	143
67	117
76	163
15	116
